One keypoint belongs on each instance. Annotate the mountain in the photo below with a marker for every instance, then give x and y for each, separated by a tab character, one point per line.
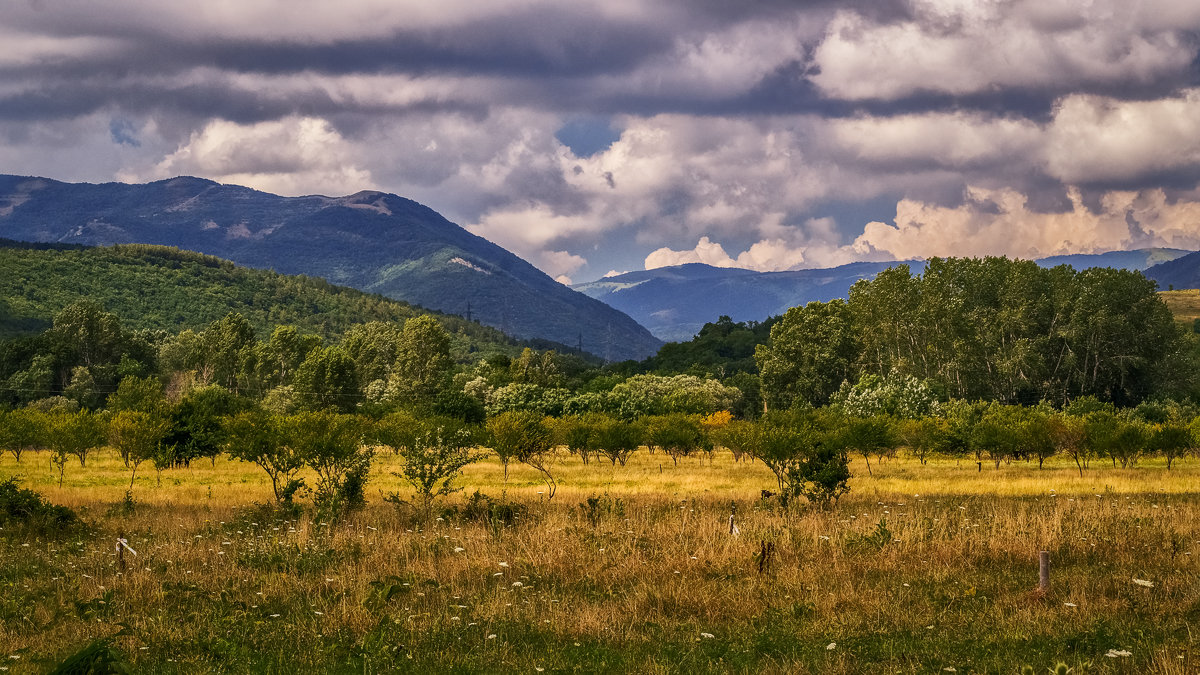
372	241
1182	272
1140	259
675	302
157	287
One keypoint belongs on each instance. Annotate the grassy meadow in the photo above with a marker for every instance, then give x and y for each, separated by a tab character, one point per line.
919	569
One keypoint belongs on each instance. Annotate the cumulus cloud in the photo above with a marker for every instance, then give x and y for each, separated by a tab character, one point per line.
1099	139
292	156
768	255
961	48
999	222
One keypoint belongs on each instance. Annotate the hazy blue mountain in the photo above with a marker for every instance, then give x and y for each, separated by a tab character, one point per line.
1180	273
1140	259
675	302
371	241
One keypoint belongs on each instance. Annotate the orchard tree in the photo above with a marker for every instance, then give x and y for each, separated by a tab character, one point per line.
332	445
434	455
137	436
20	430
1068	434
1173	440
72	434
525	437
617	439
257	436
866	436
677	435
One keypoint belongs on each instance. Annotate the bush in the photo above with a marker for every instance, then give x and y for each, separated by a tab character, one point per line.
482	508
25	508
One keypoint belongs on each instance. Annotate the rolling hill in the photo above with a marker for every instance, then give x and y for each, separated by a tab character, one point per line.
157	287
372	241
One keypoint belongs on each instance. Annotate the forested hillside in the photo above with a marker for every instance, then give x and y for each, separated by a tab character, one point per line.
165	288
375	242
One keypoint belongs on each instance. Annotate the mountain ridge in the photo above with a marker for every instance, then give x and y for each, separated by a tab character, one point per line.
373	241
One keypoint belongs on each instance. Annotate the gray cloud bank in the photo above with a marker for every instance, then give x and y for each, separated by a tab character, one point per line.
746	134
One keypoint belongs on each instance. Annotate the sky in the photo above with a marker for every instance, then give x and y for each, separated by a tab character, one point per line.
600	137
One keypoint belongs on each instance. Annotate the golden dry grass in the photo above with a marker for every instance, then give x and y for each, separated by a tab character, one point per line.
917	569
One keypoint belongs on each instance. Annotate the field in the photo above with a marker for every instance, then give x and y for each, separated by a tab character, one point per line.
919	569
1184	304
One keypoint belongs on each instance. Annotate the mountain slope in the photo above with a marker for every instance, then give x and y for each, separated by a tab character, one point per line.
1139	259
675	302
156	287
1180	273
372	241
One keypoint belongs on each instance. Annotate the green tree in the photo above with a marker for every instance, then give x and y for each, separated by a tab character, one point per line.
677	435
332	445
525	437
327	379
72	434
809	355
374	347
143	394
137	436
258	437
228	343
423	362
196	426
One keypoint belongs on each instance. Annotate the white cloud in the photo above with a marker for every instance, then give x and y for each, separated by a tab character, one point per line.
956	140
999	222
1094	138
291	156
964	48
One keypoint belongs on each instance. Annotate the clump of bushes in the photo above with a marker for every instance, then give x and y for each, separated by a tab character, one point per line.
21	507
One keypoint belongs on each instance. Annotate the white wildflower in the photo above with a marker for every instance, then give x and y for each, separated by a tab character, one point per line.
707	635
1143	582
831	646
1118	653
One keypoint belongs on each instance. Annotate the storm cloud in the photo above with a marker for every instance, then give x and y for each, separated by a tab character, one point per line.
590	136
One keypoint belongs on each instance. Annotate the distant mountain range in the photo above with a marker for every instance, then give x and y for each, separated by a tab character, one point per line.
675	302
1179	273
372	241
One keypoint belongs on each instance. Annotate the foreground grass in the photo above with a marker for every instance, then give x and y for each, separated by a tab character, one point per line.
918	569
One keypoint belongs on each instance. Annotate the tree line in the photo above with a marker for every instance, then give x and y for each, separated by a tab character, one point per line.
987	329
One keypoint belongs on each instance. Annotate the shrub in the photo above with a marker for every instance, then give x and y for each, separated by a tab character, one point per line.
25	508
